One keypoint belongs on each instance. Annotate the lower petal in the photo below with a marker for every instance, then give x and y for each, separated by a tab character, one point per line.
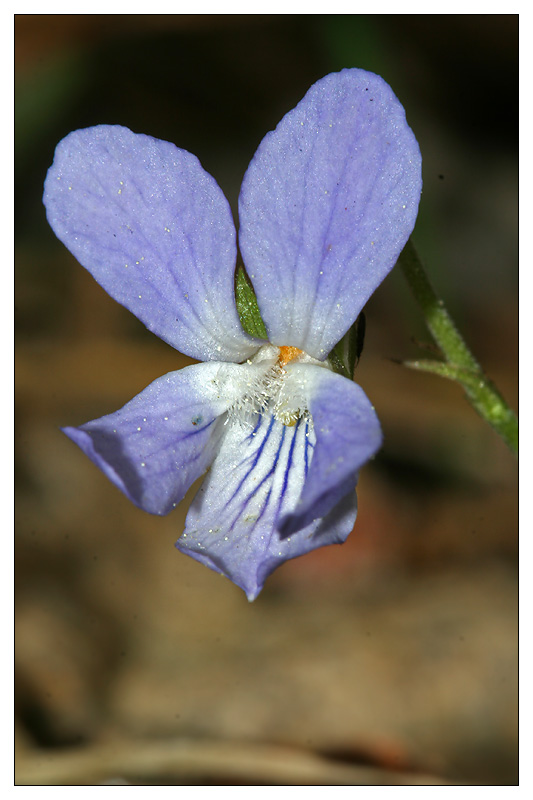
160	442
347	433
256	479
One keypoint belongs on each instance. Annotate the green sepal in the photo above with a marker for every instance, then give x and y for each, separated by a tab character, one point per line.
346	353
247	306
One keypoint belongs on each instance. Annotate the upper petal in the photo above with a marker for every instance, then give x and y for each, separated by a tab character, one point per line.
326	206
160	442
156	232
256	478
347	433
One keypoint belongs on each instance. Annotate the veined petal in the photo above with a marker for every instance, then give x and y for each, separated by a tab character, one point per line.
326	206
257	478
156	232
160	442
347	433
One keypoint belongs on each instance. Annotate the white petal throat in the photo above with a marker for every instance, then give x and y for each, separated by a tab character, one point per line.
269	388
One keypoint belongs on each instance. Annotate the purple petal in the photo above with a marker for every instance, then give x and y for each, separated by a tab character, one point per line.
347	433
256	478
155	231
326	206
160	442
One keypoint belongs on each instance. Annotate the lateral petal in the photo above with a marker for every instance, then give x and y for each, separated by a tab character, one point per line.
156	232
256	478
326	206
347	433
160	442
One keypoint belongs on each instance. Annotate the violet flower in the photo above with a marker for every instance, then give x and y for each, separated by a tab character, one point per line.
326	206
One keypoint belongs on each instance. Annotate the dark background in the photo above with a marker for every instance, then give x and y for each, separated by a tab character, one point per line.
397	649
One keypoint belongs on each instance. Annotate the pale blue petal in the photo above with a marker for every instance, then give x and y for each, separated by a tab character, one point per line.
326	206
160	442
256	479
347	433
156	232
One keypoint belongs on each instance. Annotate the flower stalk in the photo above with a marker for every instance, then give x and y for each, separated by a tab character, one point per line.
459	365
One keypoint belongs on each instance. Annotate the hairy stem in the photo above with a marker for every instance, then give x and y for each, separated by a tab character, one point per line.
459	364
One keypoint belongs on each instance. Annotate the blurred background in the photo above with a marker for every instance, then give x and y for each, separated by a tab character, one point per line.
392	655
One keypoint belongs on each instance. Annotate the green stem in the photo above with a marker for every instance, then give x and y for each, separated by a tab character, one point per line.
460	365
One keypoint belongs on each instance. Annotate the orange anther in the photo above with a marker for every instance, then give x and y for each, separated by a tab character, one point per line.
287	354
